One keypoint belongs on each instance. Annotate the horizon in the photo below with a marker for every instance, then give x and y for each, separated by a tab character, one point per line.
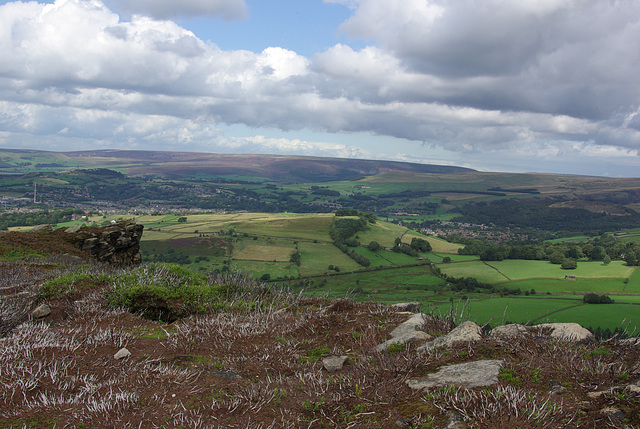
311	156
513	87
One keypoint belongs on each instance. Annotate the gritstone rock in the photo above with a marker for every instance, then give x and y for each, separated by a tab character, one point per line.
408	332
469	375
43	310
568	332
122	353
334	363
466	332
513	330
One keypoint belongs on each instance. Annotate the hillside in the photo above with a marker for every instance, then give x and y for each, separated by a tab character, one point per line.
87	344
189	165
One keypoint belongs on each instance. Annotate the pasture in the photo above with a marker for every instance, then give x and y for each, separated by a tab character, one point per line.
262	243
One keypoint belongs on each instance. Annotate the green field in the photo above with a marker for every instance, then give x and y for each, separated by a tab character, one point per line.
515	269
276	250
262	244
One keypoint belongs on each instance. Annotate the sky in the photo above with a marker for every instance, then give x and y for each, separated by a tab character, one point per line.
494	85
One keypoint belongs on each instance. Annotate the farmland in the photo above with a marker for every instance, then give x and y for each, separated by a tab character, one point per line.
263	243
270	216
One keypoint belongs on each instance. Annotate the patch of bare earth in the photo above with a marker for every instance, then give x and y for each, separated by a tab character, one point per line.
263	368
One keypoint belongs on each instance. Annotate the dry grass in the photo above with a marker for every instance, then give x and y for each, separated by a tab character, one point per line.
260	366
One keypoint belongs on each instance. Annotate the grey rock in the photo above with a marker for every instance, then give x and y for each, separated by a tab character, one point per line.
568	332
468	375
466	332
596	395
334	363
408	338
415	323
513	330
42	228
634	387
408	332
556	388
413	307
122	353
72	229
43	310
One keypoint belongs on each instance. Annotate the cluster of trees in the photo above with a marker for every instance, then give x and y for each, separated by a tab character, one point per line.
594	298
604	248
344	228
295	258
538	213
37	218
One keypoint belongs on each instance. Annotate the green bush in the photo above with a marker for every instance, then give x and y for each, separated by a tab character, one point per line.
71	285
164	292
593	298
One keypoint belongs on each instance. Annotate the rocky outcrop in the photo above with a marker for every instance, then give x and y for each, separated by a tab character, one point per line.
567	332
513	330
117	244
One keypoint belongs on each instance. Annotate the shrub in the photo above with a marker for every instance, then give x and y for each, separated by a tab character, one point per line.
164	292
71	285
592	298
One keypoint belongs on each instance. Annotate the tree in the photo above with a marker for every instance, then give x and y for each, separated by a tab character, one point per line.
556	257
598	253
592	298
420	244
569	264
182	219
374	246
606	260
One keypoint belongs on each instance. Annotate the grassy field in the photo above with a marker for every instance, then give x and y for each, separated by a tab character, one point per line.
382	232
274	250
515	269
262	243
316	258
437	245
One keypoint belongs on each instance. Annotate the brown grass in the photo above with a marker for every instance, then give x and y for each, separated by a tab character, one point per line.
263	368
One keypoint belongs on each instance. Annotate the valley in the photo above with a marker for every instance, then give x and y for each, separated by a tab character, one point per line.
223	213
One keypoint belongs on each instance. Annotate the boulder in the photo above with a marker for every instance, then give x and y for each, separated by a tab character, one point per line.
408	332
334	363
43	310
466	332
122	353
512	330
468	375
568	332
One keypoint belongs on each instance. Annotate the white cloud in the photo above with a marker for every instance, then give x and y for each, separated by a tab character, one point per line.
228	10
468	76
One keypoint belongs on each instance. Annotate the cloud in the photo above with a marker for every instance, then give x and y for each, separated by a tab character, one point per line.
496	76
229	10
